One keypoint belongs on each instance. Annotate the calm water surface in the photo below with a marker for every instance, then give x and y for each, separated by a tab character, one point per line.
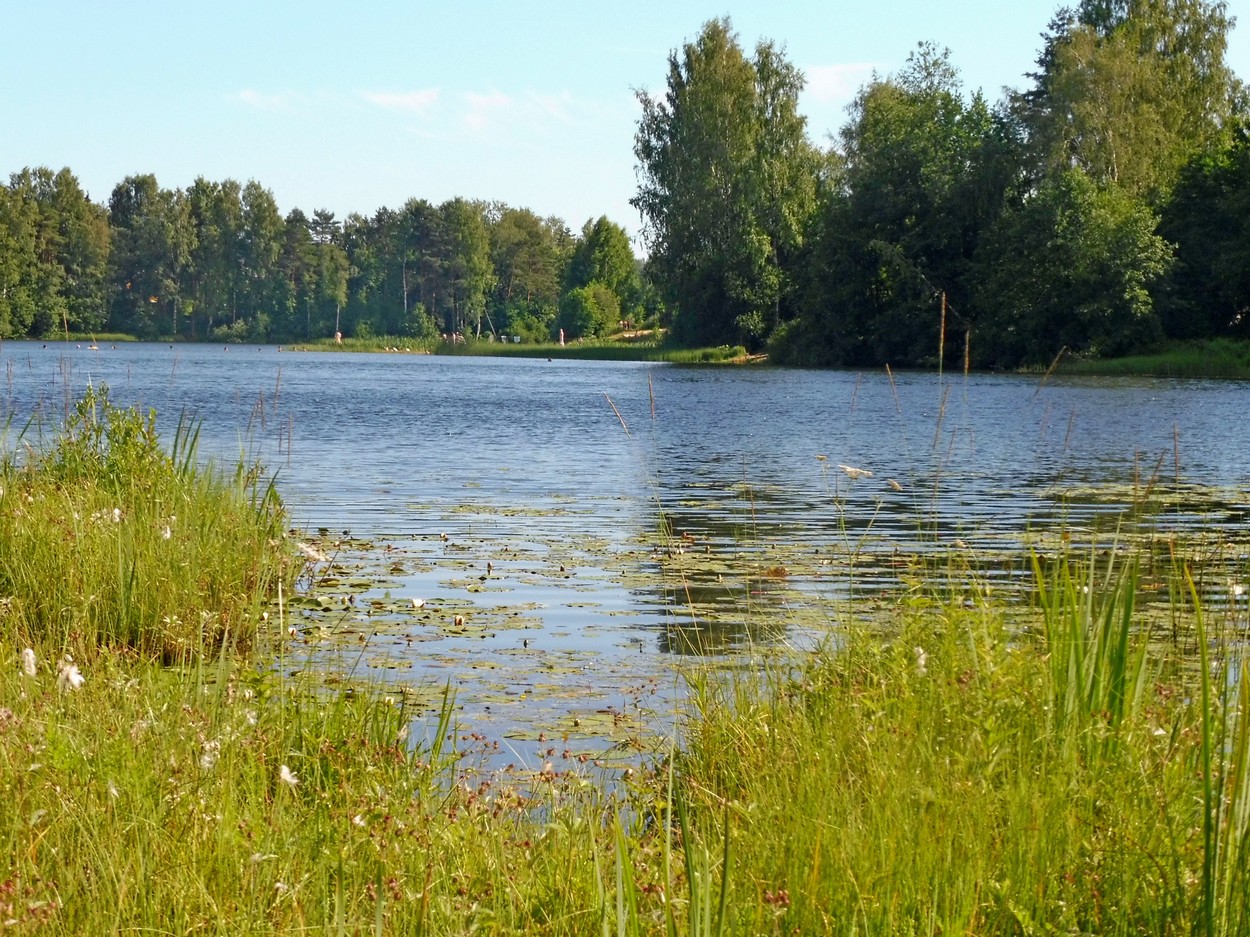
628	510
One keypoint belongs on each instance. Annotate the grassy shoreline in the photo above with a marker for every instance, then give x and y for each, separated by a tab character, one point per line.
1214	358
619	348
963	766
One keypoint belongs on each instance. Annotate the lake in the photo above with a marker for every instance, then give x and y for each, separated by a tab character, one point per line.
568	528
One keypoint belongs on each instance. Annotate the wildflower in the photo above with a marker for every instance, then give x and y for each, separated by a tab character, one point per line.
69	677
287	777
208	757
853	473
358	820
922	661
28	662
113	792
313	553
166	533
117	515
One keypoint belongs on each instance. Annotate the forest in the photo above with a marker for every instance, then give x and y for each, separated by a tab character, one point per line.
1101	210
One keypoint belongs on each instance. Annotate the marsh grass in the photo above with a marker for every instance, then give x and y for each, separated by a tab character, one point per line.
107	537
225	798
955	764
1209	358
616	348
601	350
953	775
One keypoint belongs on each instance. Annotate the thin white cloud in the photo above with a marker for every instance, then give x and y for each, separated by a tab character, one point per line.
414	102
837	83
483	109
553	105
265	102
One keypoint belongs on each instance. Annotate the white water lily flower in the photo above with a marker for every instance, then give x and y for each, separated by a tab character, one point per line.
69	677
287	777
28	662
313	553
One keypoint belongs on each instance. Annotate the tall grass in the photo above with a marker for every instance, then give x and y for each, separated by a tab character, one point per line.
106	537
957	776
1209	358
945	771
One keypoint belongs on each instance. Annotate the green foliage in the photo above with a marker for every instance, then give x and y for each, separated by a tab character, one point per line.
603	255
152	239
588	311
1208	218
1130	90
1070	268
54	248
107	538
727	182
892	246
923	176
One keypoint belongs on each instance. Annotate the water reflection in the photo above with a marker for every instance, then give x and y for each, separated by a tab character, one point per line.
720	520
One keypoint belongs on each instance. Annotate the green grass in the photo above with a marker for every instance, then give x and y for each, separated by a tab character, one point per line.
959	766
954	776
606	349
108	538
1212	358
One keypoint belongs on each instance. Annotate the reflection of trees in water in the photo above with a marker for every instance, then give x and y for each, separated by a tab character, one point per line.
716	619
715	545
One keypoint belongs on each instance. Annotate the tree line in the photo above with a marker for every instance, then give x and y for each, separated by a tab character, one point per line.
1102	209
219	261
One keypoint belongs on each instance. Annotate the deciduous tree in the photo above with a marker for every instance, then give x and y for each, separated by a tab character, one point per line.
726	182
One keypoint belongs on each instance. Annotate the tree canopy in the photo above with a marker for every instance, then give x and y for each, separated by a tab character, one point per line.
726	185
1100	208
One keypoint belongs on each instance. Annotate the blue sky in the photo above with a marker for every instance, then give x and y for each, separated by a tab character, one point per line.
354	106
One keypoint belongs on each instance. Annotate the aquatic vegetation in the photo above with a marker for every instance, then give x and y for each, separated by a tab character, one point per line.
106	537
967	737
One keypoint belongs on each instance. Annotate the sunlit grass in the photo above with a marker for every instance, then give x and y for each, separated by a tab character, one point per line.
106	537
1211	358
952	775
957	764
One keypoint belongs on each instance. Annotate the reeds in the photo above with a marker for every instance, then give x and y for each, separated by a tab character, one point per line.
962	766
955	775
108	538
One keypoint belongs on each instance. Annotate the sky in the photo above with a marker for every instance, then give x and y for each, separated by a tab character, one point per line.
356	106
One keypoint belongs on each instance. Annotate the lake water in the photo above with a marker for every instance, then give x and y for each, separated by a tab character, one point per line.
629	512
